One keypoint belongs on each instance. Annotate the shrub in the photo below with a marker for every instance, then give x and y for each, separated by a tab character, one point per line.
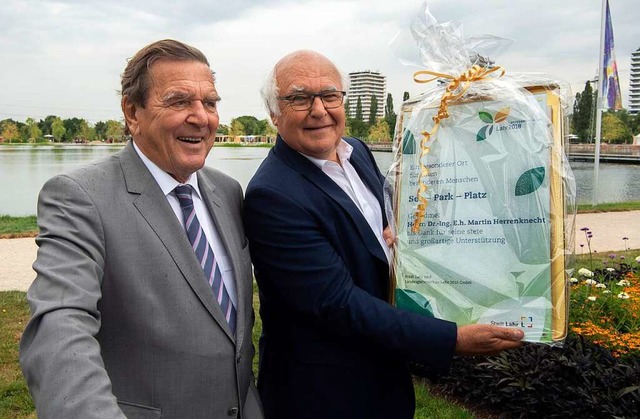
581	379
596	373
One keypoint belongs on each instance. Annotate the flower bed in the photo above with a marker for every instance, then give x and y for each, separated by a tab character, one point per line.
596	373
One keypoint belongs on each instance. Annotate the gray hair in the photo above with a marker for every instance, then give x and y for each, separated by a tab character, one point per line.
269	90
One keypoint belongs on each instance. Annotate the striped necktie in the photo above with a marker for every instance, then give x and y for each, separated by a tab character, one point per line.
205	255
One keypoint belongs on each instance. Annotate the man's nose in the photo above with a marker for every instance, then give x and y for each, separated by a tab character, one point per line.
317	107
197	114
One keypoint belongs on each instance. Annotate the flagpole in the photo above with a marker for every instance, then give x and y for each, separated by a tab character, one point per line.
601	81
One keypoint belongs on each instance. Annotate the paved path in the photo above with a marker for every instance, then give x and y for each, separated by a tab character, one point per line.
608	228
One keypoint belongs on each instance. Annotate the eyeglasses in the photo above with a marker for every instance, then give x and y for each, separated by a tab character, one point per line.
304	101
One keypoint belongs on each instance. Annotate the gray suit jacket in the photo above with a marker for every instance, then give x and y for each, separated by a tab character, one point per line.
123	320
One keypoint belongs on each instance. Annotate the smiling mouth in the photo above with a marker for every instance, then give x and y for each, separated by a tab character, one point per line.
192	140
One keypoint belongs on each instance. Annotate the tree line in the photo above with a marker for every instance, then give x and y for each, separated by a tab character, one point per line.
74	130
374	129
618	127
54	128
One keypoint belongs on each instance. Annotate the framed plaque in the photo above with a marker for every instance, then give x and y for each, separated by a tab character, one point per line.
489	245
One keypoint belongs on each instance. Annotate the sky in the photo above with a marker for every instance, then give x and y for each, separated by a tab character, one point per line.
65	57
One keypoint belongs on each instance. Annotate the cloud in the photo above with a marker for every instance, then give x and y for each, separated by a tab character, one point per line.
65	57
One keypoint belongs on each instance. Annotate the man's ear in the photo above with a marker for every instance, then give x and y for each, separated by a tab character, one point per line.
129	109
274	120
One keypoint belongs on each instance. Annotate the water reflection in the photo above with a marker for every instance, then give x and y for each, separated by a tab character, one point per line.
24	169
616	182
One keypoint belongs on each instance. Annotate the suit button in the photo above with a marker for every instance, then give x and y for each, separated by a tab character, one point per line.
233	411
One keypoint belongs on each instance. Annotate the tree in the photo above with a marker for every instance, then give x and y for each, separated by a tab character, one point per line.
614	130
634	124
223	129
347	128
32	131
347	107
9	131
57	129
583	113
269	130
575	112
236	128
251	125
45	125
379	131
114	130
359	110
72	127
358	128
85	131
265	128
101	130
390	115
373	110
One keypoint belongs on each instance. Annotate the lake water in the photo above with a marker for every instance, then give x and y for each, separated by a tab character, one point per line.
24	169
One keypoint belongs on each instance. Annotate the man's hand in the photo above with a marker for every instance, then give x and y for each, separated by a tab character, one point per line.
388	236
485	339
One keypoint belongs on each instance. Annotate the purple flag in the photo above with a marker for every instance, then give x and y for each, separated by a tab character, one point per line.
612	99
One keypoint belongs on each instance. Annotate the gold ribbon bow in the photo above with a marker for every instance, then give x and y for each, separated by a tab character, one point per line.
454	91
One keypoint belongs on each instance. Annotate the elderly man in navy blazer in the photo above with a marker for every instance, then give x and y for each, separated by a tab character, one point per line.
332	347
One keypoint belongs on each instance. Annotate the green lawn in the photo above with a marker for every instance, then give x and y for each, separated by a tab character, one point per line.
616	206
17	226
15	401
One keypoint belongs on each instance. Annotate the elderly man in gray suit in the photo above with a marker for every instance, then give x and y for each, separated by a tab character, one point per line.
142	304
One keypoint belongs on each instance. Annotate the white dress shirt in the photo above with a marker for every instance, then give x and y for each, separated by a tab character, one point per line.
346	177
168	184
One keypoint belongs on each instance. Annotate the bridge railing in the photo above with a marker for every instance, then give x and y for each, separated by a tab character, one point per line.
612	149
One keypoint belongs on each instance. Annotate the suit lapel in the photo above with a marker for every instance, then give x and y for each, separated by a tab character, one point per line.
311	172
156	211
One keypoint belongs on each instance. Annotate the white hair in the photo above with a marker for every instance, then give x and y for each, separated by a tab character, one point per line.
269	90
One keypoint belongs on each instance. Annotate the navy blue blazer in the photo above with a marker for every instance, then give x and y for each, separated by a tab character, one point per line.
332	347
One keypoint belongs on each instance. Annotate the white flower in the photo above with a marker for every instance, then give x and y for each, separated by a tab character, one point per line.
601	286
610	270
638	259
606	292
623	295
590	282
624	283
574	280
585	272
593	298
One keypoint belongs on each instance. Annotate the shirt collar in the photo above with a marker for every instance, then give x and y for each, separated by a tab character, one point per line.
166	182
343	150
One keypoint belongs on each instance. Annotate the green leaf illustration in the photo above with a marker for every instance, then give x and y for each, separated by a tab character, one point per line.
486	117
412	301
482	134
530	181
408	143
